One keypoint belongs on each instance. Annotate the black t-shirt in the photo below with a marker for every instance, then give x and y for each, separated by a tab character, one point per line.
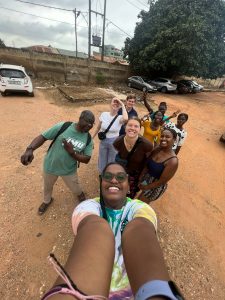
138	158
131	113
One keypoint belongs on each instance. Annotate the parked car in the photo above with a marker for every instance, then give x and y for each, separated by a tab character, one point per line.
197	85
192	86
183	87
138	82
14	79
164	85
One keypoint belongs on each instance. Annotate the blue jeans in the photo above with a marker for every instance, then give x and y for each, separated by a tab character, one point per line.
107	153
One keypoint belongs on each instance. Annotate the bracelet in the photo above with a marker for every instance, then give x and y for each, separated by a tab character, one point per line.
158	288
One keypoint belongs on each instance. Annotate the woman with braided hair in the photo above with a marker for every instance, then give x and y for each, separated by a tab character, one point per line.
116	254
161	166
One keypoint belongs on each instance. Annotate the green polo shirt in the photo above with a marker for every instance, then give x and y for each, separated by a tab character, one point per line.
57	160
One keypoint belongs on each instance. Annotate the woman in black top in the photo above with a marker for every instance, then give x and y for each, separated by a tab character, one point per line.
160	167
132	152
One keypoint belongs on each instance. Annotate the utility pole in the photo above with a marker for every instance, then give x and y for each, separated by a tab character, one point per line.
89	31
103	34
76	14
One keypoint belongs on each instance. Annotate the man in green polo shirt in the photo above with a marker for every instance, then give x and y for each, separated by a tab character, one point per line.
72	146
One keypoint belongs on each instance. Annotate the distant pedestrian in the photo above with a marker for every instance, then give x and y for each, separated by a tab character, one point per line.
72	144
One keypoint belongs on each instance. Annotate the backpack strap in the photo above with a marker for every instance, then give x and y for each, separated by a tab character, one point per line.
113	120
88	139
61	130
87	143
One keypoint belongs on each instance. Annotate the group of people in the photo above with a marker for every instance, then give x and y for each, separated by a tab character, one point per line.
150	160
115	253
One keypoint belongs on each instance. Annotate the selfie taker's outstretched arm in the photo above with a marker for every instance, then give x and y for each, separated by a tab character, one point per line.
91	258
90	262
144	261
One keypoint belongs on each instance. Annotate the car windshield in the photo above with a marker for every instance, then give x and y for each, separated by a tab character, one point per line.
161	80
12	73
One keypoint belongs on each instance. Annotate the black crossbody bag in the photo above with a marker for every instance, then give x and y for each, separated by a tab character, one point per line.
102	134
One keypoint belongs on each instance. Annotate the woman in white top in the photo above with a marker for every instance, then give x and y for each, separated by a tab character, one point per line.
181	132
107	152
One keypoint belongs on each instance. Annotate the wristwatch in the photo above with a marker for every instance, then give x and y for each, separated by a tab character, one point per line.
155	288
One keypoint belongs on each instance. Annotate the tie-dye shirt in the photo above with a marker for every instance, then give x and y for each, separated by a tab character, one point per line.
120	287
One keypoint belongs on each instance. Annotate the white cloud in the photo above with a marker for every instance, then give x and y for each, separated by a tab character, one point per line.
24	30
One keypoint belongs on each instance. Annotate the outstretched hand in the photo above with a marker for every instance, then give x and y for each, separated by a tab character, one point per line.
174	115
27	157
68	146
120	102
145	117
144	95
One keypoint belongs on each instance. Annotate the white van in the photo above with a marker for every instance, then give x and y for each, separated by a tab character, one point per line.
14	79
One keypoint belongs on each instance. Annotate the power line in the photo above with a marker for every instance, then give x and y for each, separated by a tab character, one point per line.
143	3
10	9
27	2
119	28
38	4
84	17
43	5
40	16
134	5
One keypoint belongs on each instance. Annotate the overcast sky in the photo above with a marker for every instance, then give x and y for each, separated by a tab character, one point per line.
22	26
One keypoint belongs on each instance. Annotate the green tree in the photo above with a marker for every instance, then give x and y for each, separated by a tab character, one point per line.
2	44
184	37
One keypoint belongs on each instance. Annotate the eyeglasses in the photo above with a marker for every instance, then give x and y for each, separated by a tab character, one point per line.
120	176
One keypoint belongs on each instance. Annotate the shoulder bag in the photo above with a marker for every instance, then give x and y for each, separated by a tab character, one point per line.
102	134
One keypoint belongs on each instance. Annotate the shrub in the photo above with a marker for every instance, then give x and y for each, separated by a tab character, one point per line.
100	78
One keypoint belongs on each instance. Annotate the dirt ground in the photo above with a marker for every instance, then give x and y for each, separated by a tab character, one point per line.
191	212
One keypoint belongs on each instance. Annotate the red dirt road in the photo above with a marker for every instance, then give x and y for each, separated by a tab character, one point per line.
191	212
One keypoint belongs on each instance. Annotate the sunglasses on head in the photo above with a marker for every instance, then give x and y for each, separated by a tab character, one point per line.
120	176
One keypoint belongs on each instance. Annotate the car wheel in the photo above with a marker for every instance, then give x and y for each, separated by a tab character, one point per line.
3	94
31	94
144	89
129	84
164	89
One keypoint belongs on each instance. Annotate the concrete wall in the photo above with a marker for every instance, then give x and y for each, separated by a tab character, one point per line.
212	83
209	83
63	68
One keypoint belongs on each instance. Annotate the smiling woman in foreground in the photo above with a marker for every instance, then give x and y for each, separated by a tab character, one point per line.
115	239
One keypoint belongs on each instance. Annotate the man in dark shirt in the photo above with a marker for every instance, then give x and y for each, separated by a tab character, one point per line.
130	102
